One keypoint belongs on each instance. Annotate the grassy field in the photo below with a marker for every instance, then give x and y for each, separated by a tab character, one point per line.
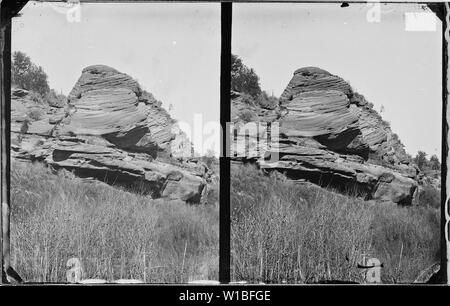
300	233
116	234
281	232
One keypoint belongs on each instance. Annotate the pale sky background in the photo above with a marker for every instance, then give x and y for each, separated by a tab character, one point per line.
391	67
172	49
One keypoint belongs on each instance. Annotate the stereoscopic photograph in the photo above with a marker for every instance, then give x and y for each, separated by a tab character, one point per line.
336	152
115	142
223	143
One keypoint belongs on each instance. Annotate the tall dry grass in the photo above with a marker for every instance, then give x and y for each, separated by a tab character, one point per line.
116	234
300	233
406	240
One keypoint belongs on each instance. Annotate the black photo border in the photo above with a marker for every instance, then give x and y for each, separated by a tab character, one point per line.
9	9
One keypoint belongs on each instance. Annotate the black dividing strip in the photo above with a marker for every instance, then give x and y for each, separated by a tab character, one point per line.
225	114
6	134
444	147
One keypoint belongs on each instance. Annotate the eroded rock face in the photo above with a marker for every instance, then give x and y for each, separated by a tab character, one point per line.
111	104
329	135
113	131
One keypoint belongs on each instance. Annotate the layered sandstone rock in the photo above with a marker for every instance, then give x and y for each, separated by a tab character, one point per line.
113	131
111	104
326	133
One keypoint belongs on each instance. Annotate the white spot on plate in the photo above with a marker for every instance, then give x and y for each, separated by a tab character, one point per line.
420	22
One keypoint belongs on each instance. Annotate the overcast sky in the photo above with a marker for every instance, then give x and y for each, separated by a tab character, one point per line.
172	49
397	69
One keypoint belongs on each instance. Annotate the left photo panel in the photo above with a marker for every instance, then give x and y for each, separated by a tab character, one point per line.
115	139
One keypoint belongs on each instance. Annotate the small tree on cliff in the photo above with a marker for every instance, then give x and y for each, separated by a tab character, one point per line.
434	163
210	158
421	160
27	75
243	79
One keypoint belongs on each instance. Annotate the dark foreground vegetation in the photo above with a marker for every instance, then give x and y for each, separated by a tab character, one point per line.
299	233
116	234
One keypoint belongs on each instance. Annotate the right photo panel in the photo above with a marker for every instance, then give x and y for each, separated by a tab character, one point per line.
336	114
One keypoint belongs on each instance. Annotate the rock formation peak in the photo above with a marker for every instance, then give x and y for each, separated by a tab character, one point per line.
306	71
99	69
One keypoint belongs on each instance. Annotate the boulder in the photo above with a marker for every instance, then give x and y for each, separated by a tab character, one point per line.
311	79
111	104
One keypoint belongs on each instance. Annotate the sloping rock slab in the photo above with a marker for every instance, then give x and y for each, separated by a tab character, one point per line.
347	173
117	167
